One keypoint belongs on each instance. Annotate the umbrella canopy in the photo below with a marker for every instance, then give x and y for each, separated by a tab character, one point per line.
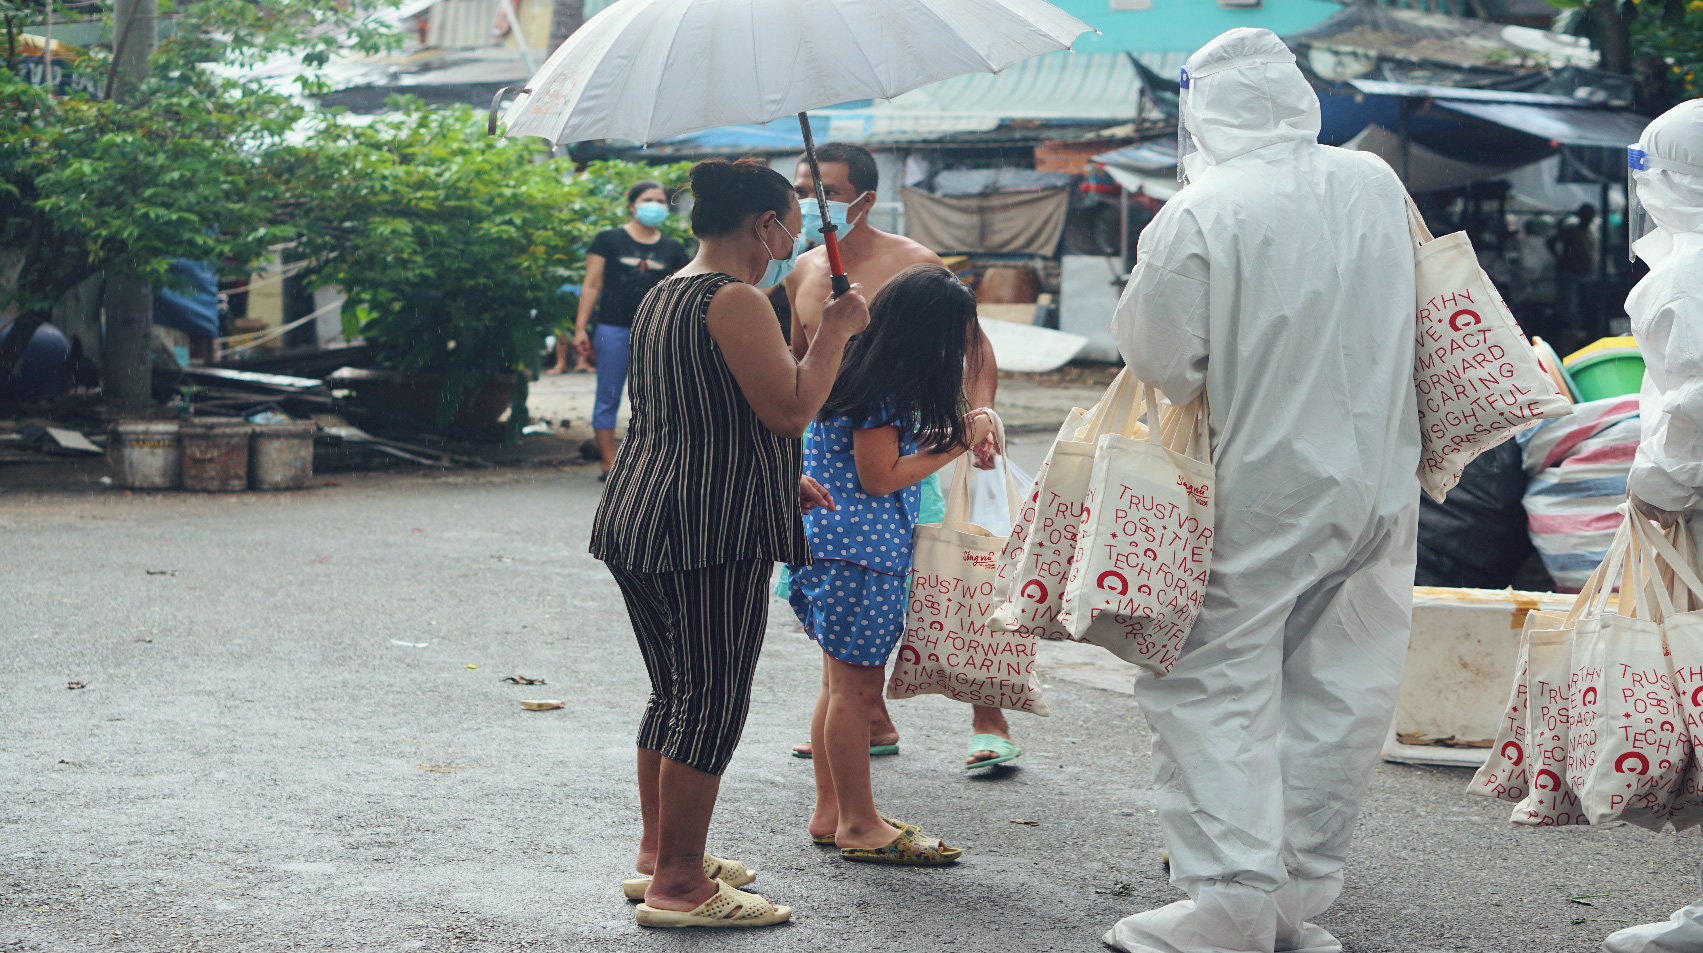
649	69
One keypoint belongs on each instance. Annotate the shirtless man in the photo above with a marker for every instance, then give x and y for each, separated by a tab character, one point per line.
871	258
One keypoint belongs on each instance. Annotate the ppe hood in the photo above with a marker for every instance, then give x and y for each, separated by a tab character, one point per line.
1672	199
1245	93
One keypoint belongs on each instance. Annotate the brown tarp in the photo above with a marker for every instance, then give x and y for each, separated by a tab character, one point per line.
1005	223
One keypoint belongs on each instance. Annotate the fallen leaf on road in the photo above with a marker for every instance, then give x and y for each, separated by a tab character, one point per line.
1580	920
470	665
523	680
1019	820
1584	899
76	685
412	645
445	768
541	705
161	572
1119	889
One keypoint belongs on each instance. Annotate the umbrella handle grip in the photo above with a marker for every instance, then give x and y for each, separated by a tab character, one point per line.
836	270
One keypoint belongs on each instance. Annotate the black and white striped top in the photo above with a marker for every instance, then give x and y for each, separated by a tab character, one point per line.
699	480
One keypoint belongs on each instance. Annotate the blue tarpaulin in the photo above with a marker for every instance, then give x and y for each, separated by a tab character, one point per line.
193	310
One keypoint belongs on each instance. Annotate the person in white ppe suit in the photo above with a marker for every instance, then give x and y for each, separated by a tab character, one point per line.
1666	308
1280	280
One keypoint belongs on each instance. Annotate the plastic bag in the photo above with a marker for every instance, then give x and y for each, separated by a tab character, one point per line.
989	508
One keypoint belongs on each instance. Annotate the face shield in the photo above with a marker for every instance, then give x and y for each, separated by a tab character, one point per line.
1640	166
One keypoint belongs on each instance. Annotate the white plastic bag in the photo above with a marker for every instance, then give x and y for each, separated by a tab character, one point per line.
989	507
1145	545
949	648
1478	379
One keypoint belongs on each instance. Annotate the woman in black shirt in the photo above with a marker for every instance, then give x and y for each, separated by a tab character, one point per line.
621	267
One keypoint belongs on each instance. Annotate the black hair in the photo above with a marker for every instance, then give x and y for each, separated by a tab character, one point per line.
860	165
725	194
909	362
640	188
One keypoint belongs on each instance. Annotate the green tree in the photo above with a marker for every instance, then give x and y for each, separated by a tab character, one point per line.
1660	42
184	170
452	246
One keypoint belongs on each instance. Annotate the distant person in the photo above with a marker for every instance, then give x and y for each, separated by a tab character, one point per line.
896	416
1574	248
621	267
704	498
871	258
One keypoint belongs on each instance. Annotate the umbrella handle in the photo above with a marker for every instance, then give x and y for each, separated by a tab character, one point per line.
836	271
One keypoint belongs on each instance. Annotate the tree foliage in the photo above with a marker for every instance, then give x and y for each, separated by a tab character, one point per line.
452	246
1659	41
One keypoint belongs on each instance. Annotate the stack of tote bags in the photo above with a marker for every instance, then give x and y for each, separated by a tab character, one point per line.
1605	719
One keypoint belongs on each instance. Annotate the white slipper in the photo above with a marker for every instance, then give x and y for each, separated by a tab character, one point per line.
728	908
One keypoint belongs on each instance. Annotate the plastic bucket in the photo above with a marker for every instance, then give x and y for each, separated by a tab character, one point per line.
215	455
280	456
1608	374
145	454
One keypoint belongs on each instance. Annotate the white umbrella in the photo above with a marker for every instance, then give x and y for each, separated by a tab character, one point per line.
650	69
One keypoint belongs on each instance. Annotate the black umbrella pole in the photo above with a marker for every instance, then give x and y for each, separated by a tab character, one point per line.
836	271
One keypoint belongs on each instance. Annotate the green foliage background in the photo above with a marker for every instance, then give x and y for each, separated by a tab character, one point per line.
452	245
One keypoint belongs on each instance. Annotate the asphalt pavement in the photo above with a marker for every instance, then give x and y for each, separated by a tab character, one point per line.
293	734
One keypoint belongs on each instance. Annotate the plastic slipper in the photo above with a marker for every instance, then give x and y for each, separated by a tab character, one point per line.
875	751
727	908
1003	749
910	849
827	840
730	872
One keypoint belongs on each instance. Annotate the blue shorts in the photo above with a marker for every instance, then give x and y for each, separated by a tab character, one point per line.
612	346
857	615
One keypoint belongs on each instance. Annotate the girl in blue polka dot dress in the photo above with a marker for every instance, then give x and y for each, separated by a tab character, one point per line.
897	414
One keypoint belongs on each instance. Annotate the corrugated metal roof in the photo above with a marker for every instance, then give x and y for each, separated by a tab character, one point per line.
1056	87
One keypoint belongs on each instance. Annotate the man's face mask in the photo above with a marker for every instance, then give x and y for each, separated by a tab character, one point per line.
837	212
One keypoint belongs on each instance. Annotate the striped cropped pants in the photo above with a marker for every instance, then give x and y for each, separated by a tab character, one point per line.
700	632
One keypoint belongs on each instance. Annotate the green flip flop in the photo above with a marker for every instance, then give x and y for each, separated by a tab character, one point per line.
875	751
1004	750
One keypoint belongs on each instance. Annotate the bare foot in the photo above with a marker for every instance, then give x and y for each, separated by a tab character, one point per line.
879	834
558	369
888	737
988	721
684	897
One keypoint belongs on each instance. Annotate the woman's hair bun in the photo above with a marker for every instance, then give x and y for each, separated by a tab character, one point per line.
726	194
714	175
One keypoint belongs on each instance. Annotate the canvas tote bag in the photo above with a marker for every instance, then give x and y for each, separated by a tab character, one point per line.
1145	545
949	648
1034	569
1477	378
1506	775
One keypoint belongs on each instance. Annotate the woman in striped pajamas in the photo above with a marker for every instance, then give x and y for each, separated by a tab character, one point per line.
704	497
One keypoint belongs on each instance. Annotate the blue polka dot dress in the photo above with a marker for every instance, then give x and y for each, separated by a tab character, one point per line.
852	599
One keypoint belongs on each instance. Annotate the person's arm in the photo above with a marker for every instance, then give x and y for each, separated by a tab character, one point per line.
1161	321
1667	473
784	392
795	339
981	378
589	293
881	469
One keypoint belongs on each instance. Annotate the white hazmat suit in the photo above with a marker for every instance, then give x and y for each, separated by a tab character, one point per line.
1667	318
1281	281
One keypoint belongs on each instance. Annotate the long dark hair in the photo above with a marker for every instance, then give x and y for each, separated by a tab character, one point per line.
909	362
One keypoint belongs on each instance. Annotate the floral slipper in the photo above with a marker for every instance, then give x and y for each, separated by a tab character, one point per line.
827	840
910	848
727	908
730	872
